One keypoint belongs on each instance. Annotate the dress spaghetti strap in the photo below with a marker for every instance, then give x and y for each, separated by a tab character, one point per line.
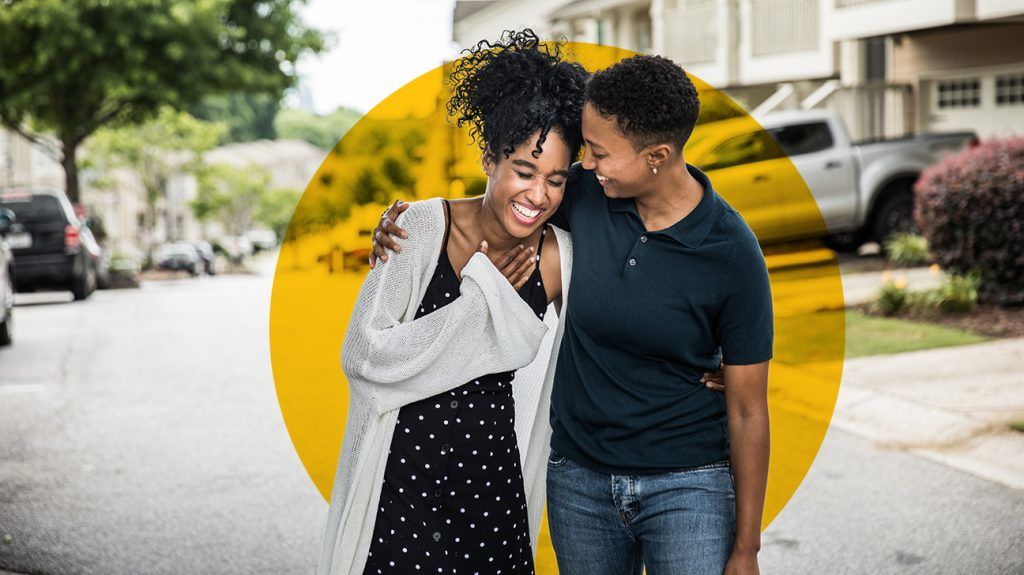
448	224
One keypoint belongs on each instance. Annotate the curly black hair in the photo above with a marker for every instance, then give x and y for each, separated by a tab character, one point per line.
509	89
651	99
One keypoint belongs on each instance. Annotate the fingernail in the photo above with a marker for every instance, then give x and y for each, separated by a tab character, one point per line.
531	249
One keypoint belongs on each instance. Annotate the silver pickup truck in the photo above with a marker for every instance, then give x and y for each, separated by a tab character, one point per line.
863	190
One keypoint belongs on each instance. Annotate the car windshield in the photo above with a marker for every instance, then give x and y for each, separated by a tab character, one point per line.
31	208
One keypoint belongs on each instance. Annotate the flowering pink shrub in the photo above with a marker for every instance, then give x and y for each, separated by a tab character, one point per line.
970	207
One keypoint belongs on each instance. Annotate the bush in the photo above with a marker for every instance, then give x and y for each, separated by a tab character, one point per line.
956	294
893	298
970	208
907	249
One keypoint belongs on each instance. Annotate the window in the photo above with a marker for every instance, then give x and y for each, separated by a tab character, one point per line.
33	208
1010	89
960	93
803	138
746	149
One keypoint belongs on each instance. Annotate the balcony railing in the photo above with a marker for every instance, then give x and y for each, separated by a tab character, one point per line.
691	32
849	3
874	111
782	26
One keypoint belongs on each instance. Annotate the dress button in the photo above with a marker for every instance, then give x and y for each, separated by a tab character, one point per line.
454	404
632	261
643	239
437	535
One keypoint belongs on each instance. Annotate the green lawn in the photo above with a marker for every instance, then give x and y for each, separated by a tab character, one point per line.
869	335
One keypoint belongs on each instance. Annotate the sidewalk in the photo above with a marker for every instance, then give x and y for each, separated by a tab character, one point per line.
951	405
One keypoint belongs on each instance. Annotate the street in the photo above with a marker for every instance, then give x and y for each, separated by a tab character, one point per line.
140	433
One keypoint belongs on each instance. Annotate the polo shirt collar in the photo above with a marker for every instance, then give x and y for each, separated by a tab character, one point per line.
695	227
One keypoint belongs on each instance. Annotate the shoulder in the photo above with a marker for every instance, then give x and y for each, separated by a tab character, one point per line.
746	260
424	222
423	216
581	179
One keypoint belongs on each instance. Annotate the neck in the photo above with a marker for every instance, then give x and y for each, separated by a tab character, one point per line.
487	228
673	195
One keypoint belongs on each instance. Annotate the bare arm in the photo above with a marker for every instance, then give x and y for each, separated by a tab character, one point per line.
746	396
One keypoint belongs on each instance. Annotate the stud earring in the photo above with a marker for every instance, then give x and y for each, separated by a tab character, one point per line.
655	170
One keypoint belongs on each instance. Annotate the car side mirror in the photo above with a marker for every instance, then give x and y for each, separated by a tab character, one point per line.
7	219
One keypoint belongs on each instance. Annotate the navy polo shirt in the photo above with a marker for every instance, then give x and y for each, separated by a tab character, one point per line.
649	313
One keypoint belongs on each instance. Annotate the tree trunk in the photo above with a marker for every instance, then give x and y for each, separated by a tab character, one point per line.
70	148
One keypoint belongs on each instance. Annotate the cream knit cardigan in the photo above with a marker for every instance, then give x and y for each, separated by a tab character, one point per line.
391	360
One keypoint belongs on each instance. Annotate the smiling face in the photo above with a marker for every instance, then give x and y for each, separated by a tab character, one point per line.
522	190
623	171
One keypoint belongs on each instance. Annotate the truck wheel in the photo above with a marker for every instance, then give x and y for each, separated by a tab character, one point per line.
895	215
846	242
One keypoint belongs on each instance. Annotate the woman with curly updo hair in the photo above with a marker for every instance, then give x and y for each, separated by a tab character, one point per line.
442	465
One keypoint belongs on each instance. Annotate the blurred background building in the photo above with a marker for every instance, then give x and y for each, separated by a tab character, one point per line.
889	67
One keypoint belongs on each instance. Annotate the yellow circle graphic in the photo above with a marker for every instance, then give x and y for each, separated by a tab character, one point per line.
405	148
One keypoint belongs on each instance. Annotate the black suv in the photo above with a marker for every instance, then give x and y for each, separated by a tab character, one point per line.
53	249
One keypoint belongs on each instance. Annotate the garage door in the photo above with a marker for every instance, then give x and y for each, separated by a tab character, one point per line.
990	103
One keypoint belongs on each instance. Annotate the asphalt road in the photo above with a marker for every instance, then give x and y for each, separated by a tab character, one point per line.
140	433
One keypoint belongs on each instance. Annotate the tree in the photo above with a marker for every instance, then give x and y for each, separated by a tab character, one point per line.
321	131
369	188
248	117
72	66
275	208
169	144
230	195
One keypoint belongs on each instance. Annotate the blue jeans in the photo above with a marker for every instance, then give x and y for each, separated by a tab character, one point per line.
682	522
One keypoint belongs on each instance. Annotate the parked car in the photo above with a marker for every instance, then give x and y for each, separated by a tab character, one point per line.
102	261
52	248
863	190
7	219
205	251
178	256
262	240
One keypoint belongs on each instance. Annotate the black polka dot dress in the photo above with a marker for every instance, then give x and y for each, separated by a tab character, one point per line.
452	500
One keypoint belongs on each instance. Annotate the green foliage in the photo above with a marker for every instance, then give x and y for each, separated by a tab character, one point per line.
907	249
321	131
248	117
275	208
958	293
230	195
169	144
397	173
476	187
892	299
370	188
72	66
